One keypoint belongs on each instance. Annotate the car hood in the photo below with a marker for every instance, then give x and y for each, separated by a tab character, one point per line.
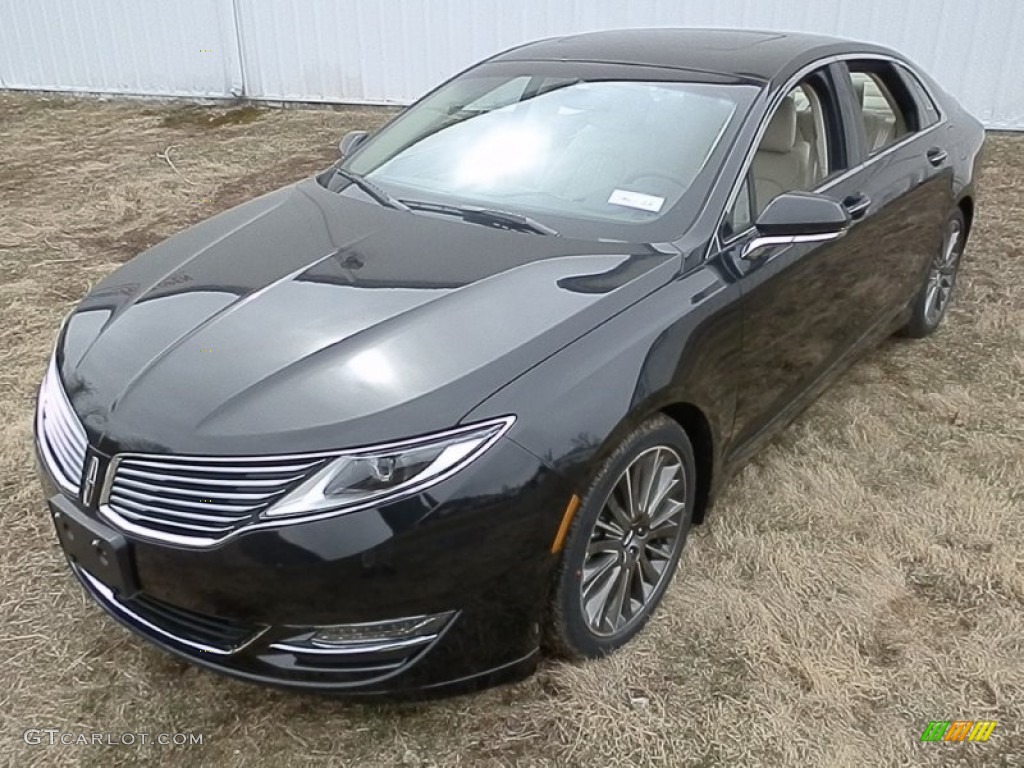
308	320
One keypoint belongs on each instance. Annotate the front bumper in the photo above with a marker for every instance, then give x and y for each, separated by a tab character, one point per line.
476	546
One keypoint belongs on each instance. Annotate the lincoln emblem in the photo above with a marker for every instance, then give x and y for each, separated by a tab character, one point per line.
90	480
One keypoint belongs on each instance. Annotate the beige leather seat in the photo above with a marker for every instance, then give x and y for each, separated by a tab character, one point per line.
782	162
879	120
807	131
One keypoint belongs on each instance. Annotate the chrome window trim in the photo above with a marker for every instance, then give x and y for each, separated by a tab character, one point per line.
718	244
259	523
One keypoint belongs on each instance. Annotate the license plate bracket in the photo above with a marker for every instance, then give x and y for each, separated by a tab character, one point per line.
95	547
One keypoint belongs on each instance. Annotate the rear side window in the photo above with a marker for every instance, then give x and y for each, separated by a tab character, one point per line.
927	109
888	109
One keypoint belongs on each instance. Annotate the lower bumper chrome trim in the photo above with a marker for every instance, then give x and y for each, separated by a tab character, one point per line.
356	648
111	602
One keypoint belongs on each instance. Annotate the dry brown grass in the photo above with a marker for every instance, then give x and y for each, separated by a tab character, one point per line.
863	576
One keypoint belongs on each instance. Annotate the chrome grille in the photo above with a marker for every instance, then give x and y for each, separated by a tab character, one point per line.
197	500
61	435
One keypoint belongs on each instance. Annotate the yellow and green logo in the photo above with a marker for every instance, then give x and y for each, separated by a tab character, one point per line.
958	730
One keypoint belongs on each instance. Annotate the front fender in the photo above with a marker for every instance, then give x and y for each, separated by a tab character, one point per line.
678	345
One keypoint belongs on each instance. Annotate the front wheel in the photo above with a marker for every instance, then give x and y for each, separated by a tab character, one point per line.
933	301
624	543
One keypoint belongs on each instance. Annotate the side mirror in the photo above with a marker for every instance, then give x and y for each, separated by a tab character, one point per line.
351	141
798	217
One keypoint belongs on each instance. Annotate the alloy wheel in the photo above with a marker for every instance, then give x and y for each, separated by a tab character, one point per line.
943	274
635	537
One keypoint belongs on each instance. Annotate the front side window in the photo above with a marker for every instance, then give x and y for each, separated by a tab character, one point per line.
616	152
799	148
740	217
794	152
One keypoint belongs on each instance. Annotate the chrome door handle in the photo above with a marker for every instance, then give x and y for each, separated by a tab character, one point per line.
857	206
937	156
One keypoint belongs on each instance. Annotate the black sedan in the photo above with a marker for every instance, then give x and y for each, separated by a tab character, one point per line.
460	397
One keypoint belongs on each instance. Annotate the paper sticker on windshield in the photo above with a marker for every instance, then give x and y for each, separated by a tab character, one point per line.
639	200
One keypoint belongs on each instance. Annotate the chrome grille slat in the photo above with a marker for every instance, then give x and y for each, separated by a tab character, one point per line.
262	483
62	437
188	526
192	492
197	499
76	437
179	527
60	430
144	514
227	469
148	498
58	443
158	510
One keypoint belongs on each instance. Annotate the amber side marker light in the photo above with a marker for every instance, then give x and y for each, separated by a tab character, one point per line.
563	529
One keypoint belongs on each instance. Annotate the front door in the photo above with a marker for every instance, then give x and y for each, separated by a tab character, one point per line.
797	304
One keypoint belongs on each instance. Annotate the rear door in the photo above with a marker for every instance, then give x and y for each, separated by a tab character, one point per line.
902	177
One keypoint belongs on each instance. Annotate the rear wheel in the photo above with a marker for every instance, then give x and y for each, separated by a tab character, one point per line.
624	543
936	294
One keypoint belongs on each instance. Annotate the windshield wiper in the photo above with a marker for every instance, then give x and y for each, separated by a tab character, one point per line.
487	216
370	188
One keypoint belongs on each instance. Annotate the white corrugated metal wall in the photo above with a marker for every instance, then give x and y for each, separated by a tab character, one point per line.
390	51
158	47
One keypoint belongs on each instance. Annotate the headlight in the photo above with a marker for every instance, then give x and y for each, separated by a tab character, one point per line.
388	472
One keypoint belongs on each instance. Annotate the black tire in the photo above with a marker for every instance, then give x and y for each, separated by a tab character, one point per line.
932	302
569	631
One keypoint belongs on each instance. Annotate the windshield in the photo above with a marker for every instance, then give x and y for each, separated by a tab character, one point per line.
559	149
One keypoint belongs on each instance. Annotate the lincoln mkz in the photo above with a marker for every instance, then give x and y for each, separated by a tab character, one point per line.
460	397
